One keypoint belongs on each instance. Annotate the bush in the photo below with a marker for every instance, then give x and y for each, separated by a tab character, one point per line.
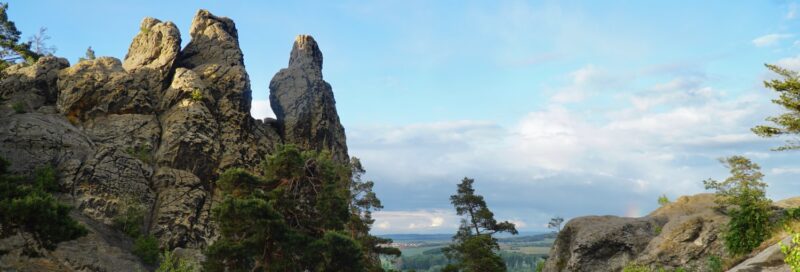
633	267
714	264
27	208
663	200
171	263
146	247
197	95
743	195
792	252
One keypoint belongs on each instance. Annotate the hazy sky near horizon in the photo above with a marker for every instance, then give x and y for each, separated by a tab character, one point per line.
556	108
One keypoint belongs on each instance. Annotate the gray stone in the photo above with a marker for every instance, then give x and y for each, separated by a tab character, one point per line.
304	104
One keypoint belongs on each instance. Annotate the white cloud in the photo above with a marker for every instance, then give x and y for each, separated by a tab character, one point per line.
785	170
419	221
770	39
261	109
583	83
791	63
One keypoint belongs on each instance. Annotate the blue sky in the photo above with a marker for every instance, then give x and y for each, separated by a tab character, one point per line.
555	107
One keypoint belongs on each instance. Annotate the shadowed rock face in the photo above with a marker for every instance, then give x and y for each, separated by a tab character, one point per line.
680	234
303	102
157	130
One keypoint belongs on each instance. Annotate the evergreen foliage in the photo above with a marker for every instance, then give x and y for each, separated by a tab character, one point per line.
146	248
473	247
743	195
786	124
28	209
300	215
11	49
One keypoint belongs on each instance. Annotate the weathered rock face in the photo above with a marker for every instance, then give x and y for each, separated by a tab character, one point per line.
32	86
304	103
680	234
155	130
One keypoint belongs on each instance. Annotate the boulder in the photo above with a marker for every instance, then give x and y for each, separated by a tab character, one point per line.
304	104
680	234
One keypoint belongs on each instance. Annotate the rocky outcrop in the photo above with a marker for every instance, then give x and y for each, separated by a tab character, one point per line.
155	129
303	102
681	234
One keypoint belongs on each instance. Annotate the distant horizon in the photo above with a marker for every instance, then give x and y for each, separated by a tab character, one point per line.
556	109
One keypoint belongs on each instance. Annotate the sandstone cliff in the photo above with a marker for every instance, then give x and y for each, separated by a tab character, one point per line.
682	234
156	129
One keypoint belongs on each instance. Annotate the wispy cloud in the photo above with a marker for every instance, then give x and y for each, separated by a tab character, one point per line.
770	39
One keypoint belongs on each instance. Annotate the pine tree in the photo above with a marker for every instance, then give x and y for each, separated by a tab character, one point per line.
786	124
11	49
473	246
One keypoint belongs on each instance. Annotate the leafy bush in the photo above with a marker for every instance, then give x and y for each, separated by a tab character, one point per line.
633	267
792	252
146	247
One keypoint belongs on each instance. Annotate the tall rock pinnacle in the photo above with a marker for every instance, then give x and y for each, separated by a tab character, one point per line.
304	104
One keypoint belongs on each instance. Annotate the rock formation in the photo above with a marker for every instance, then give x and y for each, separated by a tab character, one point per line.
304	103
682	234
155	129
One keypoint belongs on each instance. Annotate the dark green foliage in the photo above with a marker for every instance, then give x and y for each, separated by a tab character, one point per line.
474	247
18	107
743	195
146	247
714	264
298	216
11	49
28	209
786	124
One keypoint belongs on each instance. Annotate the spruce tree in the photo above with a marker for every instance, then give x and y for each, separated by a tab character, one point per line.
788	123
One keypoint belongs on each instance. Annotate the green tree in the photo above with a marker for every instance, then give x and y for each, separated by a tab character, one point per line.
28	209
294	218
473	246
555	223
792	252
363	201
89	55
743	195
663	200
786	124
11	49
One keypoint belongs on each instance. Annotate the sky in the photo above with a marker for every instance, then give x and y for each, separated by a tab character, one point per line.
555	108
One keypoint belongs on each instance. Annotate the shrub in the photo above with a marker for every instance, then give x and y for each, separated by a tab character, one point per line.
540	266
663	200
633	267
743	195
146	247
18	107
27	208
171	263
144	30
197	95
714	264
792	252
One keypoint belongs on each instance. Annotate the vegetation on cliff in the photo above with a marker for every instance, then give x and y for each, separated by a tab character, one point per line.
300	215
